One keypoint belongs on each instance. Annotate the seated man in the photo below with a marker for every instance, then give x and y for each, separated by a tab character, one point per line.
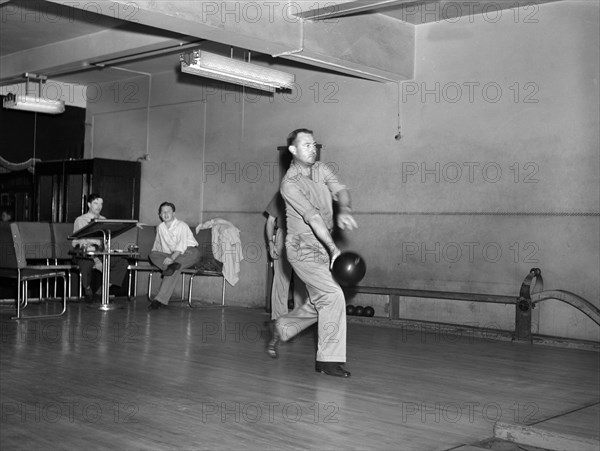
174	249
92	266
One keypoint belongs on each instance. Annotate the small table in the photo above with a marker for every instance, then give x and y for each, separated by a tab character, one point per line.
106	229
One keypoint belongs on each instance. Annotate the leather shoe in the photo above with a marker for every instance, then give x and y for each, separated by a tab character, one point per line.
171	269
332	369
115	290
155	305
88	295
274	341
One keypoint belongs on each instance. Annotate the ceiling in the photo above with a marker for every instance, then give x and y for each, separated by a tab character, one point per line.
84	42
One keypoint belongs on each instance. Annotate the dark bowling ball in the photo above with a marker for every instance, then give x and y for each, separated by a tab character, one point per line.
369	311
359	311
349	309
349	268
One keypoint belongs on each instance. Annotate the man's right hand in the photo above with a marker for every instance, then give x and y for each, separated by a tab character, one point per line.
345	221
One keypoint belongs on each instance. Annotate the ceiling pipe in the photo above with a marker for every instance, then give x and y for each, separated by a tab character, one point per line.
86	66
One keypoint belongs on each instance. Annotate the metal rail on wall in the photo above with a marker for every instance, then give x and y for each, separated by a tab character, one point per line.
531	293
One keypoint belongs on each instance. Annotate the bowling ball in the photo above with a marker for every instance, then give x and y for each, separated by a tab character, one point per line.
349	269
369	311
349	309
359	311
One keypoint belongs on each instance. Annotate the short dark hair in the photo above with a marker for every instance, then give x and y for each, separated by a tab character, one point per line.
292	136
166	204
92	197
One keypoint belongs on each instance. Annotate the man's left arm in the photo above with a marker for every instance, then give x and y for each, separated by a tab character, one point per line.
84	243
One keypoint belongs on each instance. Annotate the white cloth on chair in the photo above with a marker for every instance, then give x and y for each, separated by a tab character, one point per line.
227	246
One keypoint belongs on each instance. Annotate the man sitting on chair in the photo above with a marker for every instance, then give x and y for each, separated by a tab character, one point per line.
174	249
91	267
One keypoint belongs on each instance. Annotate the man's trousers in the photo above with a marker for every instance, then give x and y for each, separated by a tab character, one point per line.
282	277
326	304
186	260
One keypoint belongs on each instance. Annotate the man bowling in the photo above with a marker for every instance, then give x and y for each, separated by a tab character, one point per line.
308	189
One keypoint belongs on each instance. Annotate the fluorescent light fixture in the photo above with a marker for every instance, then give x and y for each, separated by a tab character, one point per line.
234	71
33	103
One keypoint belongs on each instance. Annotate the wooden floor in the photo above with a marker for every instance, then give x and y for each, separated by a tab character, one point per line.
199	379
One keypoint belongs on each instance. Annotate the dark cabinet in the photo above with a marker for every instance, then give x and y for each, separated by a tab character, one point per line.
62	188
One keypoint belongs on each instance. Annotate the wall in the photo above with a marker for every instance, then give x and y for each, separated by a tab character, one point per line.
534	109
526	194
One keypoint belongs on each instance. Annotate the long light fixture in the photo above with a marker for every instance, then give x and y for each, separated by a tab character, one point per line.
33	103
219	67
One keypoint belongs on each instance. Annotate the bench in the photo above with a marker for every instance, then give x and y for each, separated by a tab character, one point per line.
207	265
28	253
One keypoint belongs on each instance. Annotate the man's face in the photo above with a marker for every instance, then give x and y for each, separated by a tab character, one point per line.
166	213
95	206
305	149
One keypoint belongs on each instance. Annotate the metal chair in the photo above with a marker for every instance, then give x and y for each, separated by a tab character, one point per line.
17	246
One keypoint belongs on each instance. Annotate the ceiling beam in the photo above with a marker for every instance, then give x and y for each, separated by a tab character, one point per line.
263	26
376	47
351	7
80	53
351	45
